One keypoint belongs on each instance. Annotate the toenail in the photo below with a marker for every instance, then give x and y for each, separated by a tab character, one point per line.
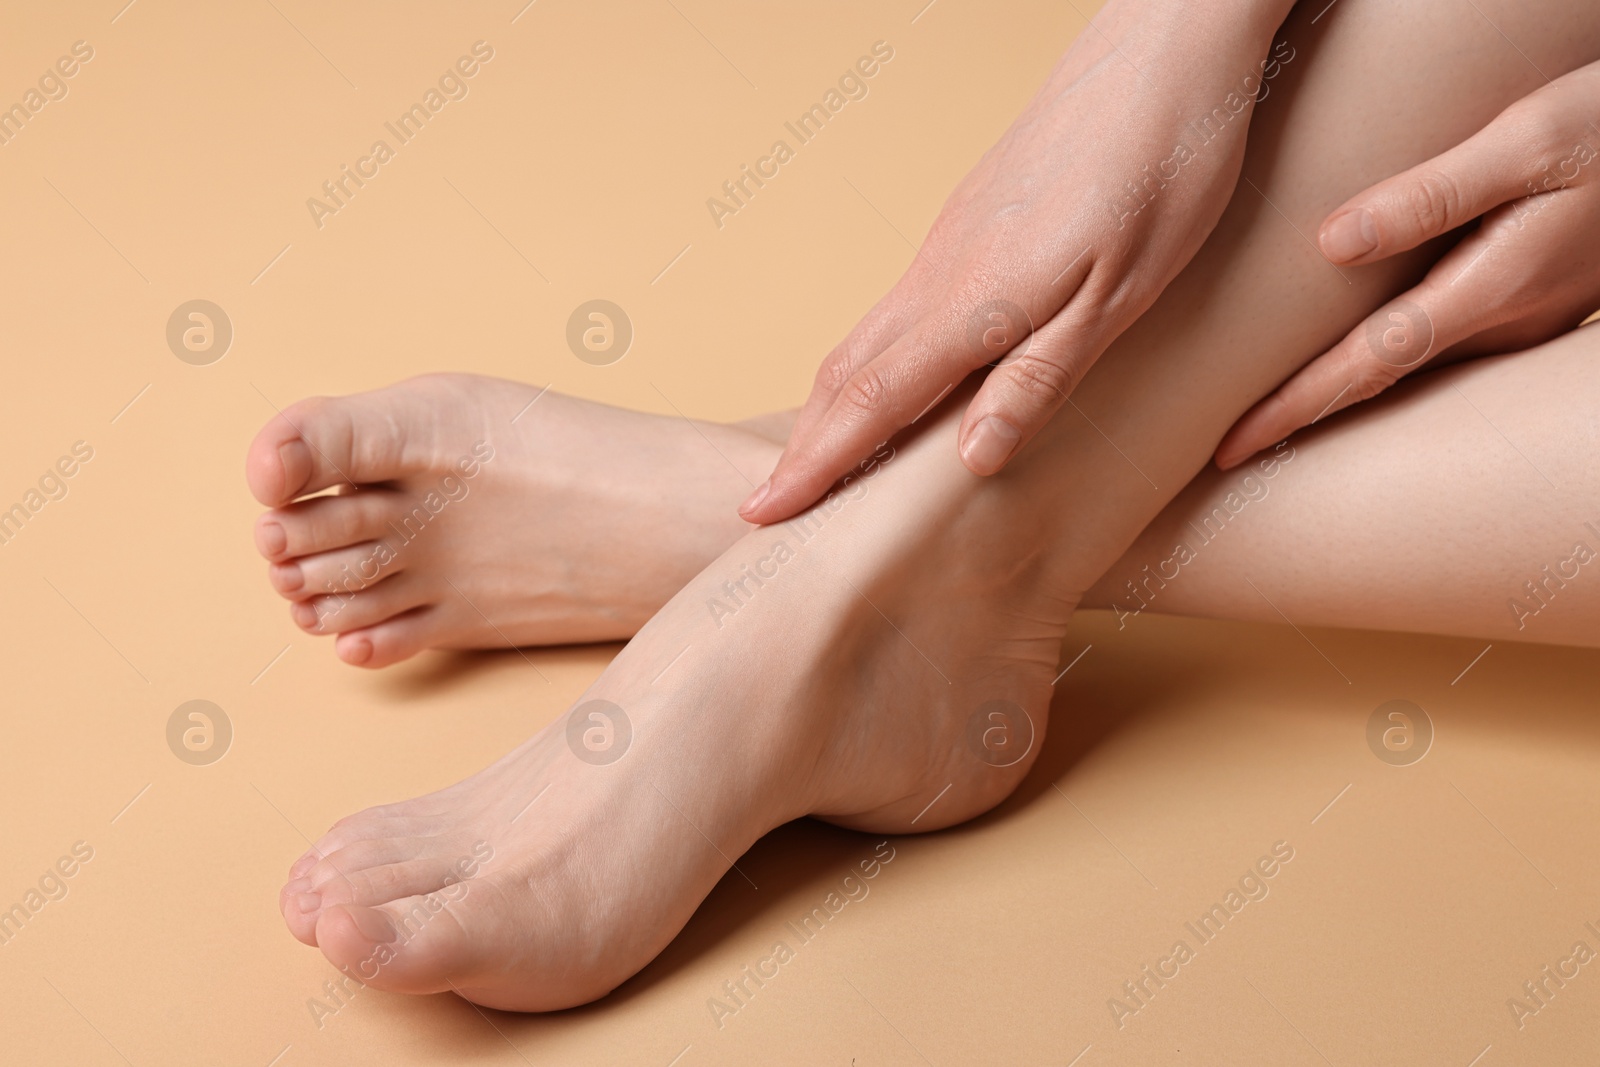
270	539
308	903
290	577
296	460
300	866
357	652
305	616
374	925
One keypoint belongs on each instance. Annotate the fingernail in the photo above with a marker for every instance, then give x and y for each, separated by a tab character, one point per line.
270	539
1350	236
374	925
308	903
756	498
989	445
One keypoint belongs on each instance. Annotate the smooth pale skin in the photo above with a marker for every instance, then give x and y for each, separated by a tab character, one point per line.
1530	271
1049	221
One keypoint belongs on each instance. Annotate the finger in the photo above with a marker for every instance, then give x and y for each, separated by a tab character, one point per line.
1390	343
896	388
1025	390
878	401
1489	168
878	329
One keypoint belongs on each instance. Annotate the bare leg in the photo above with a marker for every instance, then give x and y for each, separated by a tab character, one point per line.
1466	504
593	517
856	666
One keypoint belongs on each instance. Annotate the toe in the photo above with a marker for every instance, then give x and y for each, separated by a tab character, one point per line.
344	864
340	571
325	441
372	886
300	907
389	641
337	614
347	867
413	945
327	522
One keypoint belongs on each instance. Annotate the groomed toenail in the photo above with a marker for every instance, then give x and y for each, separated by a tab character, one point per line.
296	460
374	925
358	651
308	903
270	539
305	616
290	577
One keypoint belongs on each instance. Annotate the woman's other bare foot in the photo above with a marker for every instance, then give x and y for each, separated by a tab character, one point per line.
475	513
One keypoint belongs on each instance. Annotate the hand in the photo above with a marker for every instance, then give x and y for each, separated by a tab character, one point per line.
1064	233
1530	271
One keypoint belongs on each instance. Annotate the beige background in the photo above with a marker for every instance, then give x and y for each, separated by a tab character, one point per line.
177	167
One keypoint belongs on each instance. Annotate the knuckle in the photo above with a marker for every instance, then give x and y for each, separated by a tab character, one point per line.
1537	122
1434	203
1371	378
1041	379
866	391
835	370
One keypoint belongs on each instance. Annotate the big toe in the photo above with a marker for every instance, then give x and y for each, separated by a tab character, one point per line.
415	945
278	463
349	440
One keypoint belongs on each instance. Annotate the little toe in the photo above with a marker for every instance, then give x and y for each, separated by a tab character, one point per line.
390	641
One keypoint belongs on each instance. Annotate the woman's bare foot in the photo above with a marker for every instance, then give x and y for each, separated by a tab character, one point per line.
815	667
475	513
